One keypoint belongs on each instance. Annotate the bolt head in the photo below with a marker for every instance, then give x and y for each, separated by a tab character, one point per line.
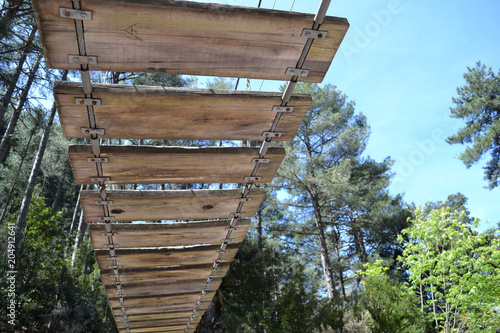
67	13
83	15
76	59
94	103
82	101
288	109
320	35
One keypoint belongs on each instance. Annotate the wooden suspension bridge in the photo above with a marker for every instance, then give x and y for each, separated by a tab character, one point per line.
160	277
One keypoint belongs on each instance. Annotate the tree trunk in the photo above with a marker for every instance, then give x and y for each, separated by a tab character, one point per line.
14	183
73	221
259	228
82	226
60	183
23	211
325	258
6	99
4	144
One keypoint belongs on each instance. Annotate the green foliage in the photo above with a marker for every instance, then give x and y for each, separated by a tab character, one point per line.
478	103
51	296
392	306
455	269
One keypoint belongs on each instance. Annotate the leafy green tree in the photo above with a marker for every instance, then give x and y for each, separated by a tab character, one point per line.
393	307
455	270
478	103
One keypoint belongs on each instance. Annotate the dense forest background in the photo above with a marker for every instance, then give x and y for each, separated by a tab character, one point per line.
331	250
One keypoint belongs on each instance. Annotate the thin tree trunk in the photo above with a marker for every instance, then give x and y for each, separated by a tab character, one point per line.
325	258
60	183
82	226
6	99
73	221
23	211
259	228
4	144
14	183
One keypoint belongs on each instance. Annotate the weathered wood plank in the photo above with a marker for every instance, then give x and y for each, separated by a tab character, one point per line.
157	165
170	274
184	37
161	329
154	309
160	257
135	112
163	300
160	288
157	323
157	316
140	205
144	235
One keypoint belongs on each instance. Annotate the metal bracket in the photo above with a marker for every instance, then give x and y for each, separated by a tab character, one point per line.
272	134
225	240
103	202
100	179
110	245
115	266
242	199
98	159
109	234
316	34
112	258
261	160
237	214
86	130
297	71
231	228
253	178
279	108
76	14
106	218
223	251
88	101
219	260
78	59
214	269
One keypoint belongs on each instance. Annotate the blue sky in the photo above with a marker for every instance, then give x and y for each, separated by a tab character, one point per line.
401	62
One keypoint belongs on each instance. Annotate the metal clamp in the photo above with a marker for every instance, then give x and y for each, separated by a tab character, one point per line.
111	245
103	202
297	71
316	34
75	14
261	160
88	101
237	214
109	234
106	218
272	134
98	159
100	179
225	240
279	108
242	199
251	178
231	228
86	130
78	59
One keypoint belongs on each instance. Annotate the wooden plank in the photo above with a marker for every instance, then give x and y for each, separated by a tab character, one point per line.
144	235
166	329
168	275
184	37
158	323
158	316
163	300
134	112
157	165
130	205
154	309
168	256
163	289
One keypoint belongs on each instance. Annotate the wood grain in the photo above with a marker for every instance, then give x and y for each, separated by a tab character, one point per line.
147	235
134	112
161	288
184	37
157	165
171	274
140	205
164	257
163	300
